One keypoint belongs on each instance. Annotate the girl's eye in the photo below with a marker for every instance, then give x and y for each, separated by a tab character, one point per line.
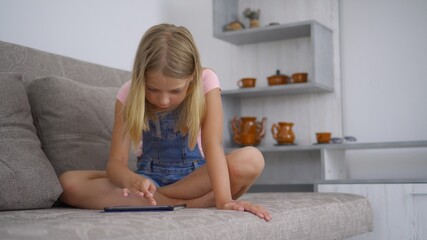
151	89
177	91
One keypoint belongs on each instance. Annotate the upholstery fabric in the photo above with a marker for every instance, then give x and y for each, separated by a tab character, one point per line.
74	122
27	179
33	63
317	216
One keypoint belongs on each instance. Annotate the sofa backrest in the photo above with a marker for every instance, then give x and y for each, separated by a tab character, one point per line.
33	63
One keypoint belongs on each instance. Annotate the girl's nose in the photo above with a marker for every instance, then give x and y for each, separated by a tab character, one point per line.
164	100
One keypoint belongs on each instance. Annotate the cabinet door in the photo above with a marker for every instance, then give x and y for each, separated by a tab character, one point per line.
399	210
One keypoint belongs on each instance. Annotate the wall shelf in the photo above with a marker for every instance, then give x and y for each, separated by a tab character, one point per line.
344	146
268	33
293	88
373	181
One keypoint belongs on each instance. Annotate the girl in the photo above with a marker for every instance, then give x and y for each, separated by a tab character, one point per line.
172	109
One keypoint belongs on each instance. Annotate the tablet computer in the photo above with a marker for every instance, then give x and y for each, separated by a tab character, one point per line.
144	208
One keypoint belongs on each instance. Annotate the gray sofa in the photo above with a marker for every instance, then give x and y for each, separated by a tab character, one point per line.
56	114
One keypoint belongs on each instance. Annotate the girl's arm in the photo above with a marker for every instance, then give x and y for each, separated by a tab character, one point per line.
216	161
117	168
213	150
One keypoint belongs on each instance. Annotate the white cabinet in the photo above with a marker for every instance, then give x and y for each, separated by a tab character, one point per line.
399	209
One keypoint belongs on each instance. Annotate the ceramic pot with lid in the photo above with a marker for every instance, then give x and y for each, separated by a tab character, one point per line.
277	79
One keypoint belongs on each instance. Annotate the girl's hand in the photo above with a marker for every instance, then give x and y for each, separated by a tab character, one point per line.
255	209
141	187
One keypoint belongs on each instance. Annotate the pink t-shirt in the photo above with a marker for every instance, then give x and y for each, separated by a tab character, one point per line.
210	81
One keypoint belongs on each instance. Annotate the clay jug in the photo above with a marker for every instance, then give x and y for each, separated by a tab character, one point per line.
247	131
283	132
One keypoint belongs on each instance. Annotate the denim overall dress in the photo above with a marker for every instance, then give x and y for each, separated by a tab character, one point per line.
166	156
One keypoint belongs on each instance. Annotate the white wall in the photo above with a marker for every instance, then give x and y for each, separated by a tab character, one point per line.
106	32
384	56
384	83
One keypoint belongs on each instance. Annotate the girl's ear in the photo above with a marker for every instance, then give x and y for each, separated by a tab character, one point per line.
191	79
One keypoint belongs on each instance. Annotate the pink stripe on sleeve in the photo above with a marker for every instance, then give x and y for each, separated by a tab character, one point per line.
123	93
210	80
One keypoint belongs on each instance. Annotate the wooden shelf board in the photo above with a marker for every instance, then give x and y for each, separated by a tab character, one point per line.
372	181
345	146
293	88
267	33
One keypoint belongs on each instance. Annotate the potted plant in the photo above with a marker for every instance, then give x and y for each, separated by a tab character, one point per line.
253	16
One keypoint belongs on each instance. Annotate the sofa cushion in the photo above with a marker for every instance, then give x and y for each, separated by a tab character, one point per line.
74	122
27	179
296	216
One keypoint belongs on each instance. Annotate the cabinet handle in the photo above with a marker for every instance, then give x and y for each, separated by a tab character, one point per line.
419	193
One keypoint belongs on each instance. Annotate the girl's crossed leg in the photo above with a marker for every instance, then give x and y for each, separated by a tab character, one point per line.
92	189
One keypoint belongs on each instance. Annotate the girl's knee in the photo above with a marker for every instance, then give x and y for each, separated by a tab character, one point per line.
246	162
254	157
67	178
70	183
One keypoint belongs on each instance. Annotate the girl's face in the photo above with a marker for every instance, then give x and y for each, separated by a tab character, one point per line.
165	92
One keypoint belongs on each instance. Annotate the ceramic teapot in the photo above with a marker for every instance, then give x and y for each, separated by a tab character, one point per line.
283	132
247	131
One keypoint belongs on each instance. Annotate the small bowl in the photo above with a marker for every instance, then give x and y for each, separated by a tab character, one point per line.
323	137
277	79
246	82
299	77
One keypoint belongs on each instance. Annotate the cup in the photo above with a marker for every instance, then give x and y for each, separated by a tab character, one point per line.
299	77
323	137
246	82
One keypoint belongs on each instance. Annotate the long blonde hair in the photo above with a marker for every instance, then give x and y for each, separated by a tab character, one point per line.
172	51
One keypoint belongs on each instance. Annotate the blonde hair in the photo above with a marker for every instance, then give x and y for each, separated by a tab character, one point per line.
172	51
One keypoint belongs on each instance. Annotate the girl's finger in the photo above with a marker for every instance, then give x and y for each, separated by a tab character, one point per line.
150	198
152	189
258	211
144	190
126	192
152	201
140	194
267	216
264	213
239	207
236	206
